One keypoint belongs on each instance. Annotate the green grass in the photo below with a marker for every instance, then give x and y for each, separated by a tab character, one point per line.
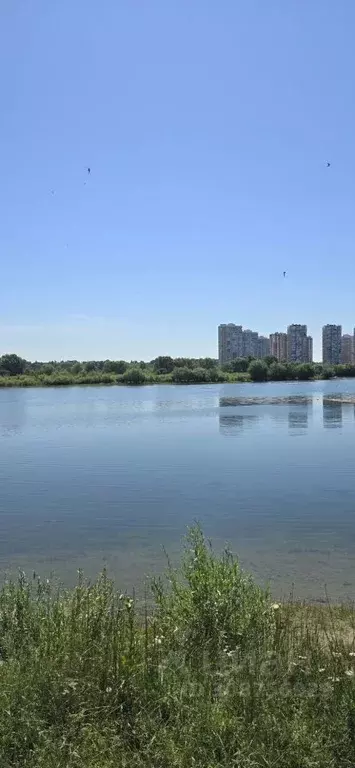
212	675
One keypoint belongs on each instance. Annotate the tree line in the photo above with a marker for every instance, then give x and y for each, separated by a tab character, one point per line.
15	370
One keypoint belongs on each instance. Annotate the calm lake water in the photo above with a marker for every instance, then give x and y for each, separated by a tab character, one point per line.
94	476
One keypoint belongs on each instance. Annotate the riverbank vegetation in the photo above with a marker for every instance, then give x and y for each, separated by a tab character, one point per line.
16	372
212	675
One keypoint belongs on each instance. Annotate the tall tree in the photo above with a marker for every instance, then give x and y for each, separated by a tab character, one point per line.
13	365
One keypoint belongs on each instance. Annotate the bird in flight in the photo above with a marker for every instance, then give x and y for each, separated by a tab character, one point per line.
89	171
327	164
284	274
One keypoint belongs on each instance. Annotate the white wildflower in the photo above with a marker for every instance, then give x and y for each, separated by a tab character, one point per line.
321	669
108	689
352	653
302	658
275	606
349	672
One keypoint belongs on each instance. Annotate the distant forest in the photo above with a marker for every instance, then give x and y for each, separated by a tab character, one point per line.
15	371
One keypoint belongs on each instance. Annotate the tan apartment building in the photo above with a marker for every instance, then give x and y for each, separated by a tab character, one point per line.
278	345
347	348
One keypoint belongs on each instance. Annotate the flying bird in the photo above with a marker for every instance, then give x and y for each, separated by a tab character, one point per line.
89	171
327	164
284	274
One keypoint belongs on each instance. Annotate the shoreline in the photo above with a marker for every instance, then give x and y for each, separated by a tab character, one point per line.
207	669
34	382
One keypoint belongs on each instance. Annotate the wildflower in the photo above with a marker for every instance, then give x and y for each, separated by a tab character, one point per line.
302	658
108	689
334	679
275	606
158	640
349	672
321	669
337	655
351	653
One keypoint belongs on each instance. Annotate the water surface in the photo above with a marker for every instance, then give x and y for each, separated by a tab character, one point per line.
111	475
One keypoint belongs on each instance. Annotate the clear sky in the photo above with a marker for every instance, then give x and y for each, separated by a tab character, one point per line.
207	126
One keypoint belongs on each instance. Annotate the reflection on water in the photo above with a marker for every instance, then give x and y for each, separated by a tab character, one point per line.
298	419
232	424
333	414
93	476
233	419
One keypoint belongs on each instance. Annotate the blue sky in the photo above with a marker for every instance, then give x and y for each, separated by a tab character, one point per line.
206	126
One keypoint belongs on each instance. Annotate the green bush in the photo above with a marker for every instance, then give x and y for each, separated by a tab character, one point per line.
115	366
258	370
278	372
190	375
239	365
304	371
134	376
327	372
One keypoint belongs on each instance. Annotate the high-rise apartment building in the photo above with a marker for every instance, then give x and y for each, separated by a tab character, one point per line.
347	348
331	344
250	343
294	345
263	349
230	342
297	343
278	345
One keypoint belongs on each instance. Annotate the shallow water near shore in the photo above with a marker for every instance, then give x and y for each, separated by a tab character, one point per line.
110	476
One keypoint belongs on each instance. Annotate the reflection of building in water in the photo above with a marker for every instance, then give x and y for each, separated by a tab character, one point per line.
332	414
299	412
298	417
232	424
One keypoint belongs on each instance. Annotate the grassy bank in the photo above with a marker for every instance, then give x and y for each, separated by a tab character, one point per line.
68	380
214	675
